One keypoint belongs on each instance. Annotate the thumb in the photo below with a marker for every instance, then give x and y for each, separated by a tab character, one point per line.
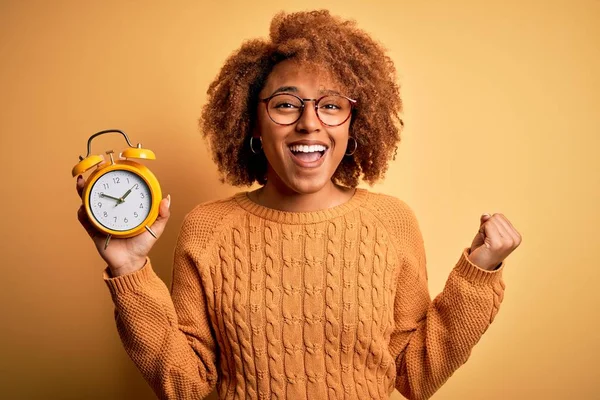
479	238
484	217
164	213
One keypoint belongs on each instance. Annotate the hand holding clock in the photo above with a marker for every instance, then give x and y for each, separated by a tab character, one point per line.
124	256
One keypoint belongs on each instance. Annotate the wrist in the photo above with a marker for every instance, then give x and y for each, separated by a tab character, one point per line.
485	267
128	268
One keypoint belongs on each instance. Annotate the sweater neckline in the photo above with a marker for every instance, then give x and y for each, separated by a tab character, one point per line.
307	217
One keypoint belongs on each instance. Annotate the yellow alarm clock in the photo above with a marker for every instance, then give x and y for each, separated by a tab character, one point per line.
121	198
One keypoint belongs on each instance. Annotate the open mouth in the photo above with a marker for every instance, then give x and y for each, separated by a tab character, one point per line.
308	154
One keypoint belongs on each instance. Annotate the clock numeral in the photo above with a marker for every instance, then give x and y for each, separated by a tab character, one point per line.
125	220
142	195
136	186
100	204
116	179
105	185
135	214
141	205
115	219
105	214
127	180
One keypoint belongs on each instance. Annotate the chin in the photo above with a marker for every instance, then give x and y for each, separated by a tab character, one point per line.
309	187
306	185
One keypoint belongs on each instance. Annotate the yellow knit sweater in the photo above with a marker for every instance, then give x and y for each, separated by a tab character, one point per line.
330	304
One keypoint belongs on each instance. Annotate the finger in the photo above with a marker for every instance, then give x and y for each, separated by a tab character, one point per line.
478	240
85	222
164	209
79	185
508	231
163	216
506	244
515	232
492	234
504	234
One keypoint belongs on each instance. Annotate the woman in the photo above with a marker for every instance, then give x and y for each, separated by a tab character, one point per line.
306	287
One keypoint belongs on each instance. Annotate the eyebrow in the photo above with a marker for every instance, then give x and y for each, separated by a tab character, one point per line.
294	89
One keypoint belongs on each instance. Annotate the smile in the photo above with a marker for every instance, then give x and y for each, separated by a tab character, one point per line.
308	156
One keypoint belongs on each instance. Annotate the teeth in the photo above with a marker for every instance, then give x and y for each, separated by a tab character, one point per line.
307	149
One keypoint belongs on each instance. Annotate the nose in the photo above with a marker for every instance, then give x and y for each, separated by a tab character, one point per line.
309	121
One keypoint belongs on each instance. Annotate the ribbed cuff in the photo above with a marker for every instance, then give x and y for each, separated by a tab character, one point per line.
129	282
473	273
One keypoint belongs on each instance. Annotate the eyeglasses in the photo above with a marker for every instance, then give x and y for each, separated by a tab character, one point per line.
287	108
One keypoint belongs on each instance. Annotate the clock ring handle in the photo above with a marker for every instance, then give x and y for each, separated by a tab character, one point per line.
89	143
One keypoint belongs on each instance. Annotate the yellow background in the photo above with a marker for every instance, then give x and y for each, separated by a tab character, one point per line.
501	111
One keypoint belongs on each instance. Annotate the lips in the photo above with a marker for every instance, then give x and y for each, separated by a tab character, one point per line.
308	154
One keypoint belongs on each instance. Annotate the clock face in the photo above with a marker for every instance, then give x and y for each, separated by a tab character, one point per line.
120	200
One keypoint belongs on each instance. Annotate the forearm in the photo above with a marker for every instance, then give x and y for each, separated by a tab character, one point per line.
444	337
175	367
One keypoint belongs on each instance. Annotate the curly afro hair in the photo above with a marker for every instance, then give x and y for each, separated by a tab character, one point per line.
355	60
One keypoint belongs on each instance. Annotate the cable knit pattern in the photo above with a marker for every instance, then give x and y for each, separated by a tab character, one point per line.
228	272
241	299
332	317
257	307
331	304
349	296
274	313
314	321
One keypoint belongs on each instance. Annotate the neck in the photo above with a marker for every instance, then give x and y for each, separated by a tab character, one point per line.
278	196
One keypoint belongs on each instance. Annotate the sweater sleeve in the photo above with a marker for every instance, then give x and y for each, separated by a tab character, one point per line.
167	334
431	339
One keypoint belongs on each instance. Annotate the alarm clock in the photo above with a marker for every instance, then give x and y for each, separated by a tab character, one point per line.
121	197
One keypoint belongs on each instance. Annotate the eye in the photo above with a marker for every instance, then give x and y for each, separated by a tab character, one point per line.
284	104
330	106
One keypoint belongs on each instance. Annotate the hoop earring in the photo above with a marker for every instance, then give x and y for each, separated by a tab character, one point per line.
355	147
252	145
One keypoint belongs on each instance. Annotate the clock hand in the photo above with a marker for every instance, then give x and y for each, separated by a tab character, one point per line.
127	193
122	199
110	197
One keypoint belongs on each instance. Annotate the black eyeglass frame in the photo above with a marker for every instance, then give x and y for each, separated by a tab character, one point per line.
303	102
